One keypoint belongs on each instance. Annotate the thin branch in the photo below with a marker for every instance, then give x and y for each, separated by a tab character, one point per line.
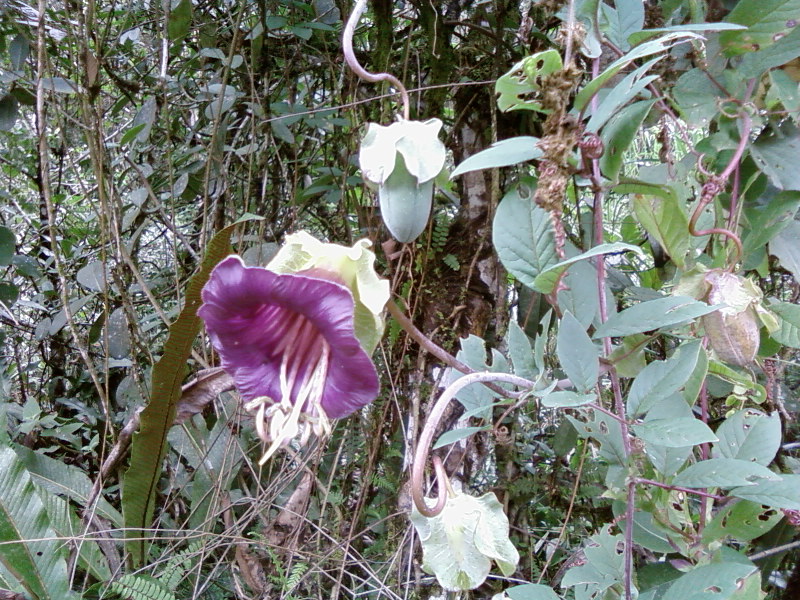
355	66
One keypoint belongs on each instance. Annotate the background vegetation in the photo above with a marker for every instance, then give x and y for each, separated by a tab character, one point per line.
133	133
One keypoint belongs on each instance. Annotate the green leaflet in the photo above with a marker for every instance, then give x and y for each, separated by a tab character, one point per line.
148	448
38	565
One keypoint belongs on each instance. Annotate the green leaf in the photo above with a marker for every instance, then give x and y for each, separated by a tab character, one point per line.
59	85
742	520
640	36
767	21
604	565
523	236
653	314
664	217
405	204
517	88
545	282
766	219
18	51
67	525
646	49
140	482
618	134
606	430
58	478
624	20
781	52
722	473
778	494
520	352
38	564
662	378
675	433
567	399
719	581
8	112
666	460
179	20
775	151
476	396
456	435
697	97
531	591
501	154
789	319
8	246
459	544
577	354
786	248
749	435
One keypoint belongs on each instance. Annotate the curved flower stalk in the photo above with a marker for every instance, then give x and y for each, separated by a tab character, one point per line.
296	336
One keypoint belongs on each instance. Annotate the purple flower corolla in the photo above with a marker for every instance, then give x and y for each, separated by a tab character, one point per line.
288	342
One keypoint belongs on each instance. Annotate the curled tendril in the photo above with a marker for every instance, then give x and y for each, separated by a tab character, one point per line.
426	437
355	66
716	184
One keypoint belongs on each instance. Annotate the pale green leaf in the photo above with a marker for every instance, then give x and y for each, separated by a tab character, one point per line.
523	236
456	435
786	49
646	49
662	378
767	21
545	282
719	581
567	399
723	473
621	22
30	550
785	246
501	154
675	433
775	151
520	352
749	435
531	591
777	494
665	218
653	314
742	520
789	320
577	354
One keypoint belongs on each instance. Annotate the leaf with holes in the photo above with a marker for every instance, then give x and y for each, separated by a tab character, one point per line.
749	435
777	494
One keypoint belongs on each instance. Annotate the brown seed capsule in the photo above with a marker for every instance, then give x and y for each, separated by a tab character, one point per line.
732	330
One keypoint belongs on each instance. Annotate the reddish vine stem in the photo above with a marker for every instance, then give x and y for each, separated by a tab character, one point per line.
426	437
619	403
676	488
715	185
355	66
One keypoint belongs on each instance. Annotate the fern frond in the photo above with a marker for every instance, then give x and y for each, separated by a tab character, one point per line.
178	565
140	587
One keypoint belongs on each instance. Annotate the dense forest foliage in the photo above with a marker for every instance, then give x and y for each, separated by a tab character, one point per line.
515	314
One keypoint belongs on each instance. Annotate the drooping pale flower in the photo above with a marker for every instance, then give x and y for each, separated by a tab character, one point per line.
402	160
295	336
